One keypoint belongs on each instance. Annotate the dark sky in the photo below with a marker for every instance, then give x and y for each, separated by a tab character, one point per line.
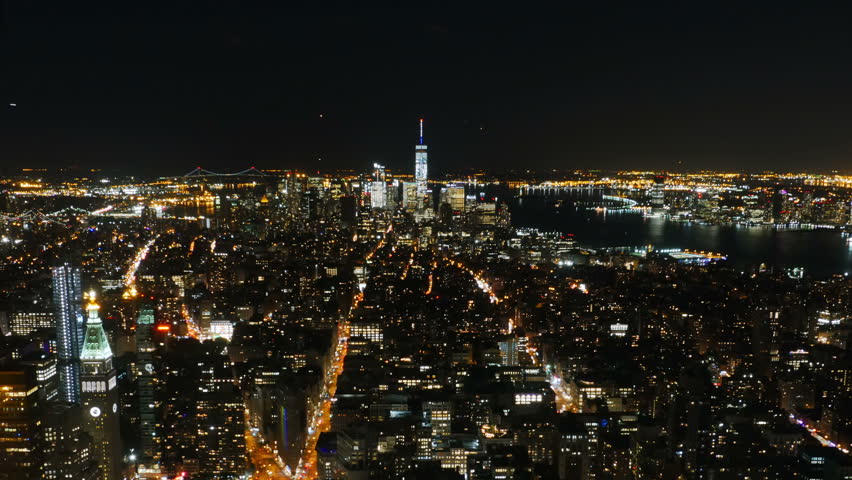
166	86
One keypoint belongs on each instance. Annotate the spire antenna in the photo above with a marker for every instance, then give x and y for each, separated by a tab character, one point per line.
421	131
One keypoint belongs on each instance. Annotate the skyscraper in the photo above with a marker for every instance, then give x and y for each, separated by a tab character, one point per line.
100	395
378	187
145	379
68	301
420	166
348	211
67	448
409	196
19	417
43	367
221	427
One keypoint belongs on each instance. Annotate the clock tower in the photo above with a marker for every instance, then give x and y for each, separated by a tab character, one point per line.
100	394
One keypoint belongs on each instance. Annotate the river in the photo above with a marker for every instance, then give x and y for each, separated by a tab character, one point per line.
820	252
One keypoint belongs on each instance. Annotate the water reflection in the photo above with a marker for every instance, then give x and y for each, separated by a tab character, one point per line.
820	252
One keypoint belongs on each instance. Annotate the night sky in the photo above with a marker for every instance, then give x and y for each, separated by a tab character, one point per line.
166	86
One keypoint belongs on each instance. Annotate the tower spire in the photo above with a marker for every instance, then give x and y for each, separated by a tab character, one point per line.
421	131
92	308
95	342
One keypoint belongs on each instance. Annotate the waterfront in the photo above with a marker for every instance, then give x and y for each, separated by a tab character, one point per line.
820	252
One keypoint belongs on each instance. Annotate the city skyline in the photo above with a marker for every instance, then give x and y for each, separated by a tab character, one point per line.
425	242
279	325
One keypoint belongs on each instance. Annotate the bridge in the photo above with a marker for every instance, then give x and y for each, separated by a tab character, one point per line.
59	217
202	175
553	189
249	172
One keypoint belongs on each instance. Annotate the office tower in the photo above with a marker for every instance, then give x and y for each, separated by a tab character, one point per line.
43	367
26	322
19	418
509	350
290	194
276	402
378	187
778	198
392	196
439	415
457	199
657	194
453	195
334	451
420	166
370	331
68	301
312	201
100	395
221	426
66	447
145	381
409	196
348	211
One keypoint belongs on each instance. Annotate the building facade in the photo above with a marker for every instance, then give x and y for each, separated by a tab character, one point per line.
99	395
67	302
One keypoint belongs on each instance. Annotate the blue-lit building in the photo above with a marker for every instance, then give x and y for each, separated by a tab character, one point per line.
421	167
68	302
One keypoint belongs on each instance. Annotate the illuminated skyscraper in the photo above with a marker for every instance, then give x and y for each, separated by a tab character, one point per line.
409	196
66	447
453	195
421	169
19	418
221	427
100	395
44	367
658	198
68	301
379	187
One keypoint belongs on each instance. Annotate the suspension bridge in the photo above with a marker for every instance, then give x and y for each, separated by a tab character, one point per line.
199	172
59	217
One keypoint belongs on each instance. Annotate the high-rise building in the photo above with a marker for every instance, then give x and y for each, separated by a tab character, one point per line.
453	195
409	196
68	301
509	350
378	187
27	322
145	381
19	418
371	331
221	426
393	195
658	196
334	450
421	168
67	449
439	415
348	211
100	395
43	367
